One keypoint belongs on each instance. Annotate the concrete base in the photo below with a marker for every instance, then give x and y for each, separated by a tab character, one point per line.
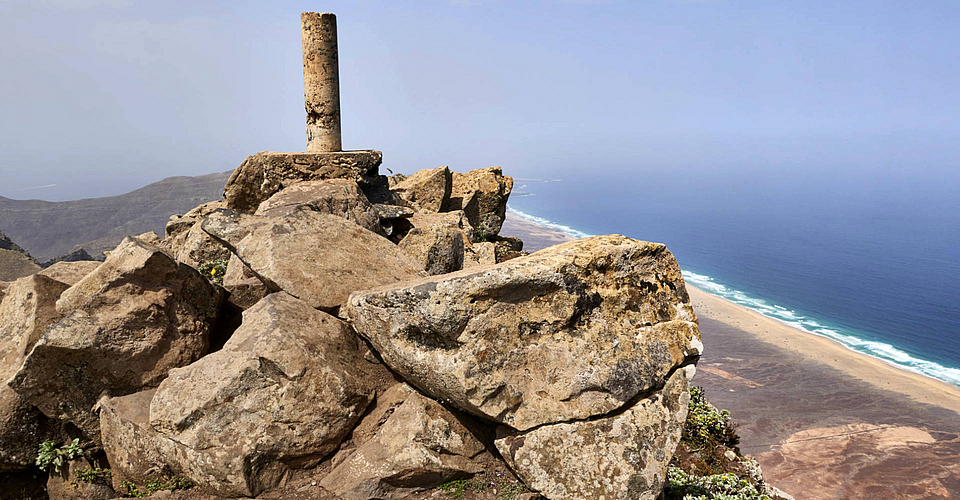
265	173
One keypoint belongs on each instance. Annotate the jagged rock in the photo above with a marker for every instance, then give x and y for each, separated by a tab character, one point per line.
265	173
181	223
75	256
70	272
482	194
340	197
147	237
508	247
318	258
426	190
15	262
570	332
125	325
623	456
395	179
418	444
283	392
438	249
25	313
394	221
67	485
246	293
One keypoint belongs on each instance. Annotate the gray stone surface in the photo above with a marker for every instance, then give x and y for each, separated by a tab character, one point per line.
624	456
570	332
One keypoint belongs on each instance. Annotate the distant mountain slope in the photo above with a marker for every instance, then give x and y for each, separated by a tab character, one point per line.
15	262
51	229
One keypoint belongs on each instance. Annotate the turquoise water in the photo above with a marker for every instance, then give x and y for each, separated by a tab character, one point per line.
875	270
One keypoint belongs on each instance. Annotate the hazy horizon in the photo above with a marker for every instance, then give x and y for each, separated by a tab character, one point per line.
105	96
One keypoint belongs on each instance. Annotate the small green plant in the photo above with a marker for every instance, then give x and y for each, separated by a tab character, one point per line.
479	236
214	270
683	486
505	487
707	425
51	454
129	489
95	475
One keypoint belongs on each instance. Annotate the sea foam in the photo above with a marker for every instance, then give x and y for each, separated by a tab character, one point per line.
849	339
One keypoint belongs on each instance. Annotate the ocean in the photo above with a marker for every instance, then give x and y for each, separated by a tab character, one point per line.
872	263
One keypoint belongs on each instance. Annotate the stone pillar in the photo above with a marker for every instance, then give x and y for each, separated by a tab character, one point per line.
321	81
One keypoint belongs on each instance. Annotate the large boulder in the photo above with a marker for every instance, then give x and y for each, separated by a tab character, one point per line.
318	258
570	332
426	191
482	194
416	444
265	173
187	243
125	325
283	392
25	313
622	456
340	197
181	223
438	249
15	262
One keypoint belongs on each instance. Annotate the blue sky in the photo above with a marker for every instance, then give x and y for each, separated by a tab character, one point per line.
100	97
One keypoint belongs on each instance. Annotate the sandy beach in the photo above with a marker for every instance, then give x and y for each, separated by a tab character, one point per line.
825	422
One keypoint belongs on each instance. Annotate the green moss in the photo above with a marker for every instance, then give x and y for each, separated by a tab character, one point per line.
683	486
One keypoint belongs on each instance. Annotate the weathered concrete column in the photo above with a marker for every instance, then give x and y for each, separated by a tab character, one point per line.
321	81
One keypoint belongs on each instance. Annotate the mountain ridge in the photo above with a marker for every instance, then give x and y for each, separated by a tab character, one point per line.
49	229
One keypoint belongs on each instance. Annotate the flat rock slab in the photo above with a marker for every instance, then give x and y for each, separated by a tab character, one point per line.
70	272
265	173
622	457
417	444
283	392
316	257
125	325
570	332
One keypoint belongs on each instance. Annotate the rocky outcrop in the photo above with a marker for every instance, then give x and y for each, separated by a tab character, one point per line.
426	191
187	243
283	392
482	194
570	332
125	325
25	313
318	258
438	249
15	262
263	174
68	485
416	444
75	256
624	455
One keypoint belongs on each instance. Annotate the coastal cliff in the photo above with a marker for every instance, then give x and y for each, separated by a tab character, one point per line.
339	334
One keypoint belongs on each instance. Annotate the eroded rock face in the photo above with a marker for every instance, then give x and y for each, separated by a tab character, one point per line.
263	174
283	392
67	484
482	194
417	444
340	197
318	258
195	247
427	190
570	332
624	456
125	325
181	223
25	313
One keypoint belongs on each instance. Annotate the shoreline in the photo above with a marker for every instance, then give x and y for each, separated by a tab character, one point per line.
876	372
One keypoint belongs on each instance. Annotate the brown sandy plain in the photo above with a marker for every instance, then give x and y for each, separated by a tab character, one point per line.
824	422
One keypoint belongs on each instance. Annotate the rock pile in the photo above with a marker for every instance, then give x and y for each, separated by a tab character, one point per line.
373	338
